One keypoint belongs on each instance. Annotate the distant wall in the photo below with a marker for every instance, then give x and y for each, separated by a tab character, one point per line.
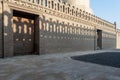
118	39
109	40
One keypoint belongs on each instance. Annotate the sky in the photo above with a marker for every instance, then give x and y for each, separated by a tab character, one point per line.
107	9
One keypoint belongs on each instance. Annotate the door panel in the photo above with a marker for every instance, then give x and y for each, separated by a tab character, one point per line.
23	29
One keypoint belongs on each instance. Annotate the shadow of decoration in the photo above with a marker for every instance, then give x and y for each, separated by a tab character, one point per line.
8	21
7	37
111	59
64	35
61	30
22	26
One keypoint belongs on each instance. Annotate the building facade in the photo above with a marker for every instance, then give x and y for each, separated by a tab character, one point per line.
48	26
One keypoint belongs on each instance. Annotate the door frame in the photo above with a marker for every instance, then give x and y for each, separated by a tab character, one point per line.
36	29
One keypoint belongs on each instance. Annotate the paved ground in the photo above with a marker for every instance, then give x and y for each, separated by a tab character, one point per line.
57	67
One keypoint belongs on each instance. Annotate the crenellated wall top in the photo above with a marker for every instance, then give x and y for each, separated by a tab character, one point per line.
64	8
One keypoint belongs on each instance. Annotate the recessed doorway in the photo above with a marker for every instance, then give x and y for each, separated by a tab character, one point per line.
23	33
99	39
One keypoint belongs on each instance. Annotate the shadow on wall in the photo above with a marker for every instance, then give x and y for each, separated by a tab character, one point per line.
108	58
65	36
0	35
6	30
56	26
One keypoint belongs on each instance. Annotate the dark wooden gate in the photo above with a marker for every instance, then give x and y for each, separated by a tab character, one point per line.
23	29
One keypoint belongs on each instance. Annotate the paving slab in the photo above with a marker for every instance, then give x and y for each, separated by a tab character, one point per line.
58	66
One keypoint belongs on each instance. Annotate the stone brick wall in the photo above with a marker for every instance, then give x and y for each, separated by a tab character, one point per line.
62	35
109	40
118	39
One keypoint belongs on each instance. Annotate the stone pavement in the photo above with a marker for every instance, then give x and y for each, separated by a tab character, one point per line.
56	67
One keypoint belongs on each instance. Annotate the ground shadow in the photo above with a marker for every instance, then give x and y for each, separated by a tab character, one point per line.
108	58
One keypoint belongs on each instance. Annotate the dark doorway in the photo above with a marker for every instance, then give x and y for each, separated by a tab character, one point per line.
99	39
23	33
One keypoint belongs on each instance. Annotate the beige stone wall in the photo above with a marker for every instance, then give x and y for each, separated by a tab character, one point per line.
118	39
62	35
108	40
78	17
60	29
